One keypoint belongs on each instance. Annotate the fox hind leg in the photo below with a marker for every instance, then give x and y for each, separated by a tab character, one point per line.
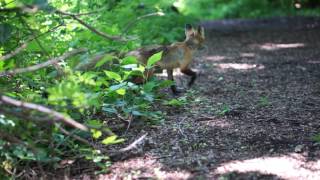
191	73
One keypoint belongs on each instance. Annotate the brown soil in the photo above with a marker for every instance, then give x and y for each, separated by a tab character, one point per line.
251	114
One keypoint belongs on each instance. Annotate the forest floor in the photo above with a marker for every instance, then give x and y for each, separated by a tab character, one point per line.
252	113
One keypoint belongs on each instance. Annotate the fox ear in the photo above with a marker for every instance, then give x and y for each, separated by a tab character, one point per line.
200	31
188	30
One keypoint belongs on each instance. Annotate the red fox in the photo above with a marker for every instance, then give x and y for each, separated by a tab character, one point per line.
176	55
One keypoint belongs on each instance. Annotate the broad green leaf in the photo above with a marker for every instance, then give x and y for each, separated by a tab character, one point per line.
129	60
154	59
113	75
130	66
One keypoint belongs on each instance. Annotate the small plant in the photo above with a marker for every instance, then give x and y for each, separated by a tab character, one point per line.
178	102
223	110
264	101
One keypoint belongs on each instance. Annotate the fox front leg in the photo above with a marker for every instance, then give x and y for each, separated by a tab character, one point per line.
191	73
173	87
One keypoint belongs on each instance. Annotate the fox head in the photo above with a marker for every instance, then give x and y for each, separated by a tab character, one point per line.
194	38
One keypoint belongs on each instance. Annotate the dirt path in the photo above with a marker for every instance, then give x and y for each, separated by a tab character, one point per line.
251	114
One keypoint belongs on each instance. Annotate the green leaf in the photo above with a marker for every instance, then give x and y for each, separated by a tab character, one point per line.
154	59
105	59
113	75
109	110
136	113
5	32
121	91
111	140
117	86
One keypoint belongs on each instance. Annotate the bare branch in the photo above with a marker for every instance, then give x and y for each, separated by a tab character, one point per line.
42	65
15	52
31	106
24	45
106	36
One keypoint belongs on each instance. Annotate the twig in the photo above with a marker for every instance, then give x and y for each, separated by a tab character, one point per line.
24	45
57	116
180	130
130	119
102	34
131	23
42	65
14	52
133	144
33	34
10	138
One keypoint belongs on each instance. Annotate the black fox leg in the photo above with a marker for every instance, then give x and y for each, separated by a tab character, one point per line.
191	73
170	77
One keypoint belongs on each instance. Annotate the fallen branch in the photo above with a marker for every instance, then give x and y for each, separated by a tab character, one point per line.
42	65
56	115
106	36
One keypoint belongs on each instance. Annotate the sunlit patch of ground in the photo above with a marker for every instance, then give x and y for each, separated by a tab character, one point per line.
275	46
237	66
146	167
215	58
246	113
293	166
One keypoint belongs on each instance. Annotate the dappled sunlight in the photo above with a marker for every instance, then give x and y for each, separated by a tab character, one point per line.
215	58
314	62
248	55
242	66
275	46
146	167
215	122
293	166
